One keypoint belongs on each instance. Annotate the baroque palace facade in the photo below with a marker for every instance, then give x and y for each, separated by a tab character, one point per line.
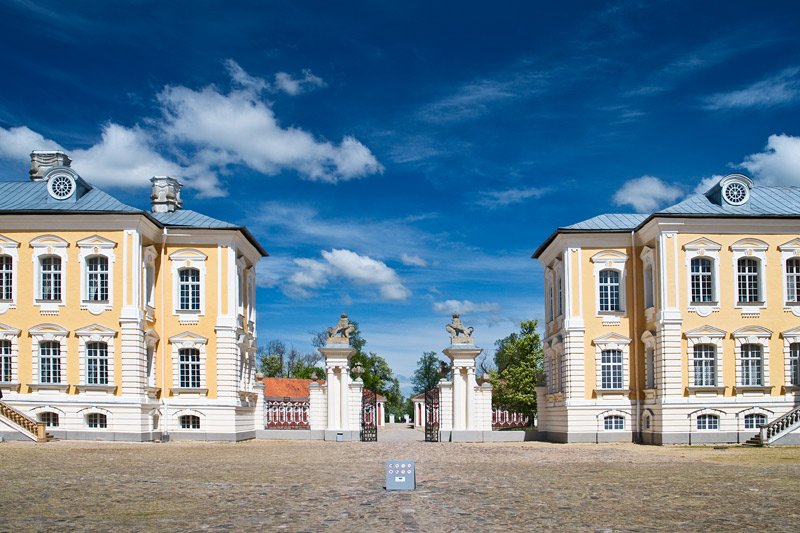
122	324
682	326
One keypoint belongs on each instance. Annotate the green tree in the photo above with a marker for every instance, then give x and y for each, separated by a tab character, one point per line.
426	376
270	359
377	375
519	359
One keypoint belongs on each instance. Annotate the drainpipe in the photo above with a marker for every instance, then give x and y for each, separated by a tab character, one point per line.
164	391
637	435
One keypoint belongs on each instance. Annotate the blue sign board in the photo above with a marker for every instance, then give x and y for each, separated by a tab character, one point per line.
401	475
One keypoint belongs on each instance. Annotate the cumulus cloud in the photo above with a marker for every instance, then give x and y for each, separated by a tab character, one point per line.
495	199
778	164
780	89
413	260
706	184
646	194
293	86
348	266
201	133
449	307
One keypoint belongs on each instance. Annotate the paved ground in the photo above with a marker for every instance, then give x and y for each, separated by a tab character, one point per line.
313	486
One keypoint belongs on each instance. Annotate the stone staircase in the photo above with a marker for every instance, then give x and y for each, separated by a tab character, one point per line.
24	424
776	429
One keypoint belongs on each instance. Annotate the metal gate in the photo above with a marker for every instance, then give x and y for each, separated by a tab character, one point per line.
432	415
369	416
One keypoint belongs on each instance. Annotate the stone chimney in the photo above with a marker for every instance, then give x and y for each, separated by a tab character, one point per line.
44	160
166	195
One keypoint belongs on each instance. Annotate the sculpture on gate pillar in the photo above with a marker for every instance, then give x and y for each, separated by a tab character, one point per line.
340	333
459	333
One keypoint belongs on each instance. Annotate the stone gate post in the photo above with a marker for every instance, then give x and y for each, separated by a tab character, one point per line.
339	389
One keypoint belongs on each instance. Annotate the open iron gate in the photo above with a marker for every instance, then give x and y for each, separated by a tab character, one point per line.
369	416
432	415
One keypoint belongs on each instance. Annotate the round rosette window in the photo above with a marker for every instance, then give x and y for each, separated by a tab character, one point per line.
61	186
735	193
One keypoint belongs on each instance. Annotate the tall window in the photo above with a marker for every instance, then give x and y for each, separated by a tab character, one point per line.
51	278
747	280
6	278
189	367
754	421
702	280
611	369
189	289
150	374
752	365
550	308
794	363
793	279
707	422
650	360
613	423
648	286
97	279
705	365
609	290
49	362
189	422
5	361
97	363
560	297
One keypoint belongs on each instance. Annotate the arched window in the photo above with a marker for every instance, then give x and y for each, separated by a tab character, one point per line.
50	268
49	362
189	289
708	422
96	363
49	419
189	367
189	422
705	365
702	280
754	421
752	365
611	369
6	277
614	423
609	290
5	361
97	421
748	280
793	279
97	278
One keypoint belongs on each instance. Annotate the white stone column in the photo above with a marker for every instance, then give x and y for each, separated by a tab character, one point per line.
472	419
331	421
344	391
459	393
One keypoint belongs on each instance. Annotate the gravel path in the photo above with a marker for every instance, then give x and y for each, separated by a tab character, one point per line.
313	486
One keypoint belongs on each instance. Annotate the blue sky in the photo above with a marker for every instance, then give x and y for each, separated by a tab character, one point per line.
402	160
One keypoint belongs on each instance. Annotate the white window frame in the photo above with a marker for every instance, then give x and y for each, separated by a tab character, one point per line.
612	341
549	309
706	248
752	416
613	419
176	426
706	335
48	333
790	336
648	265
11	334
96	246
624	415
750	248
96	333
610	260
86	413
188	340
188	258
789	250
649	340
706	418
752	335
49	245
558	289
151	339
149	256
10	248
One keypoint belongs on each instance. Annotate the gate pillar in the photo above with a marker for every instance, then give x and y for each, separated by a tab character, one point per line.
342	408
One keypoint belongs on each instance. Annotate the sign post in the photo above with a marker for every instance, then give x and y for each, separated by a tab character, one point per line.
401	475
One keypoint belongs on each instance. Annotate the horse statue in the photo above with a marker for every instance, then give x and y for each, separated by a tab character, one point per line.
459	333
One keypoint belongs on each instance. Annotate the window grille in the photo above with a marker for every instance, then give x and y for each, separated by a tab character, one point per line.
49	419
97	279
754	421
705	365
609	290
707	422
5	361
189	284
794	363
6	278
611	369
747	278
752	365
51	278
702	280
49	362
189	367
793	279
97	363
189	422
614	423
97	420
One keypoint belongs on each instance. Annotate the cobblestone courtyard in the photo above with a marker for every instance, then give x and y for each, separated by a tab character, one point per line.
312	486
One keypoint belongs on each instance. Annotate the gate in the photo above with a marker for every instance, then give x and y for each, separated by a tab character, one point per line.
369	416
432	415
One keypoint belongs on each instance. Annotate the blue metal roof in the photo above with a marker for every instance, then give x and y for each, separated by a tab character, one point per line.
609	222
764	201
192	219
33	196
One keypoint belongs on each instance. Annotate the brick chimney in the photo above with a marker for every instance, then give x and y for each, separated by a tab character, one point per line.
44	160
166	195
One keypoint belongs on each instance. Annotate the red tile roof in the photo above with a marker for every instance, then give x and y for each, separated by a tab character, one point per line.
280	388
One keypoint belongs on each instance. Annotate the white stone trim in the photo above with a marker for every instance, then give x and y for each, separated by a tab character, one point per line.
789	250
149	256
11	334
10	247
648	262
188	258
188	340
610	260
702	247
176	422
45	333
714	337
750	247
96	333
46	245
627	423
151	340
790	336
752	335
96	246
83	415
649	340
612	341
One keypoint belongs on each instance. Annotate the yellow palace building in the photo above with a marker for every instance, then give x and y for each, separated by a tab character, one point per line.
122	324
681	326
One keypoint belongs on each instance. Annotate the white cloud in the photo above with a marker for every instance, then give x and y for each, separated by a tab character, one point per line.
780	89
413	260
18	143
706	184
348	266
449	307
494	199
646	194
778	164
294	86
